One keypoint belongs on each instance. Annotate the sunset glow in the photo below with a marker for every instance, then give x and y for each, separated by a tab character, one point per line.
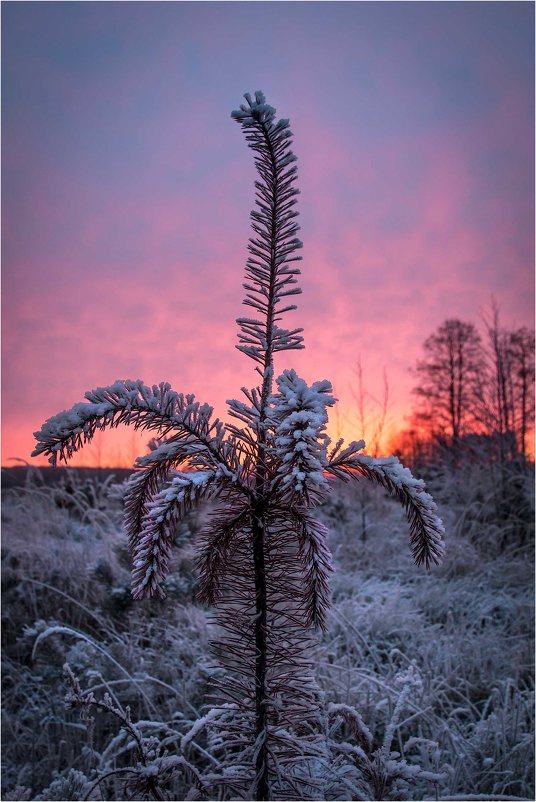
127	191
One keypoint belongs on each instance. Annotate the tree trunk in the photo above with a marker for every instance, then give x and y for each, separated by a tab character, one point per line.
261	762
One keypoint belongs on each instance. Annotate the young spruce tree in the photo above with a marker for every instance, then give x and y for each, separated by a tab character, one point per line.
264	560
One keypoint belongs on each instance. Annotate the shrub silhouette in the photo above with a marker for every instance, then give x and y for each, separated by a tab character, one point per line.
263	558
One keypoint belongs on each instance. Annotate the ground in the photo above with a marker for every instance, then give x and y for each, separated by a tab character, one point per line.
463	633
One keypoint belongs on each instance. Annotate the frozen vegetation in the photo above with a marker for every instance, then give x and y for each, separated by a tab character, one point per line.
220	669
426	678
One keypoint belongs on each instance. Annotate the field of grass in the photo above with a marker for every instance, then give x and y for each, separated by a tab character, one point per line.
436	667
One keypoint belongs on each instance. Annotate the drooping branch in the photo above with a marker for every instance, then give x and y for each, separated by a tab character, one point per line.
152	549
426	528
141	486
314	557
156	408
214	549
152	470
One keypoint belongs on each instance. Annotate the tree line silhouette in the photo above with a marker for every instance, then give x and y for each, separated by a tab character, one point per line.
473	396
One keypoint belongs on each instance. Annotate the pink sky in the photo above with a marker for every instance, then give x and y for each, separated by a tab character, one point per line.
127	190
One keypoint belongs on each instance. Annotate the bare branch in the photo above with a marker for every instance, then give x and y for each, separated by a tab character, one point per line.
152	550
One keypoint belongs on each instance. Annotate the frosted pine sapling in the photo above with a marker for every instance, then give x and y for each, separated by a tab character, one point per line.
264	560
